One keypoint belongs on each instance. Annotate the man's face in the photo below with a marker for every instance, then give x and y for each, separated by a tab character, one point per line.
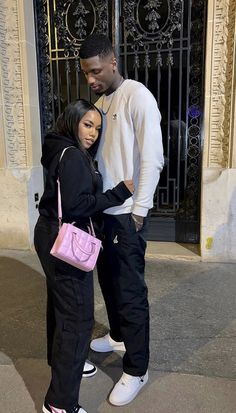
99	72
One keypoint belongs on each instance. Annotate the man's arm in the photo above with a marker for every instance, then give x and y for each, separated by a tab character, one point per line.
146	120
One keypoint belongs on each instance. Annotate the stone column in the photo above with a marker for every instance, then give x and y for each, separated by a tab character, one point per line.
20	140
218	206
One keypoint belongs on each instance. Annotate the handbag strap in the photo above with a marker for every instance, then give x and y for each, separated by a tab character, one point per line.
59	203
59	207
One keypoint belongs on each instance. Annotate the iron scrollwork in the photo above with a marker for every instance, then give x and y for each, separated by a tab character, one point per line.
151	25
195	114
75	20
45	90
154	21
61	26
153	15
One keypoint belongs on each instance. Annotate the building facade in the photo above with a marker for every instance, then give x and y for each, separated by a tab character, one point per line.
21	175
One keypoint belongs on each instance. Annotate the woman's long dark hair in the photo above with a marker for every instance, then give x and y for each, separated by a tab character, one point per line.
68	122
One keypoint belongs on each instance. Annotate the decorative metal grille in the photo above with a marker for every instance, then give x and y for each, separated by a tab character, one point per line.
61	26
159	43
162	45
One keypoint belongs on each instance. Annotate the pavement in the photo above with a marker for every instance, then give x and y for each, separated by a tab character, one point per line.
193	337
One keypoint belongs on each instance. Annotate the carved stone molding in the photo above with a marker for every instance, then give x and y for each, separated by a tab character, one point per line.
12	87
221	82
230	85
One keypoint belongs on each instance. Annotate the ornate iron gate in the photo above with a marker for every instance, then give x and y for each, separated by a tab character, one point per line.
159	43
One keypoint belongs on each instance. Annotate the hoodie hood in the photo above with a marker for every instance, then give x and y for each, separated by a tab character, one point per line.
53	144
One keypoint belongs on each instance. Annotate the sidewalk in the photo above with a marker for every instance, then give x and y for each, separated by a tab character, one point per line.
193	338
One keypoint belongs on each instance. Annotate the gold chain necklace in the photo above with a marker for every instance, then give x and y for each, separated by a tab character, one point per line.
103	111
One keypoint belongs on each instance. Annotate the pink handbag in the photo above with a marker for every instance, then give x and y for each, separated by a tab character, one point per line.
73	245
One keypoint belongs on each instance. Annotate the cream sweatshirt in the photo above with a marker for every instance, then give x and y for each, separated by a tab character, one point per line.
131	145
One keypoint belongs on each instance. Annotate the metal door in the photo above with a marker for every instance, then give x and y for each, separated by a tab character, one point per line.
159	43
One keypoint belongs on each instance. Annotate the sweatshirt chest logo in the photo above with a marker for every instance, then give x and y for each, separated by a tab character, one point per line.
114	116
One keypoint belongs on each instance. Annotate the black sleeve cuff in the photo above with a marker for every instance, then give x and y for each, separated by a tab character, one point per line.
122	191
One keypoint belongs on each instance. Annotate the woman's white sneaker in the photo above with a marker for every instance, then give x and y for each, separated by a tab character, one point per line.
127	388
106	343
89	369
47	408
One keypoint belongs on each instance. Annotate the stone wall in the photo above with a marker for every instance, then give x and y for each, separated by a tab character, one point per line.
20	141
218	206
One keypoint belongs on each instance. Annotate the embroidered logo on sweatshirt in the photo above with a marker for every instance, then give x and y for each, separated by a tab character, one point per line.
114	116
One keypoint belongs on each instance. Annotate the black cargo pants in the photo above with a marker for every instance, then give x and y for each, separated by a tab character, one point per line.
121	276
70	318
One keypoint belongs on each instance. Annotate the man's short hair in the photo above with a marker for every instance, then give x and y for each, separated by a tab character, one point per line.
95	45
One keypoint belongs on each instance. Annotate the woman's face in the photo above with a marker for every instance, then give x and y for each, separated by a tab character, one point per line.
88	129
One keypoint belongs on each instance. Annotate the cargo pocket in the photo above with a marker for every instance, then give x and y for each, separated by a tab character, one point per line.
84	293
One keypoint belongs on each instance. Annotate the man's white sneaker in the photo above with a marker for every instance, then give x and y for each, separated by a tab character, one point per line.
89	369
106	343
126	389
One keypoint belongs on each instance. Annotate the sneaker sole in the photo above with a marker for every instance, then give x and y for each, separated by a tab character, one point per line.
130	399
90	373
45	410
107	349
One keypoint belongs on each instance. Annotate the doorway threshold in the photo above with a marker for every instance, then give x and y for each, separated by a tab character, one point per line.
172	251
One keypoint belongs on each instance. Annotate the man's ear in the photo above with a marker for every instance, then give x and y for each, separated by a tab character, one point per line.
114	63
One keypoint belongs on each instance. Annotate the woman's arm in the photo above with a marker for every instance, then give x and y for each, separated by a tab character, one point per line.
77	186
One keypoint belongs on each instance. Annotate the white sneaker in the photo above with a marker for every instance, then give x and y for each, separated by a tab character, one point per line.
106	343
89	369
127	388
47	408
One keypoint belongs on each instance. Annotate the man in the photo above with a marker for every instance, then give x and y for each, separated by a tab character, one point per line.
131	145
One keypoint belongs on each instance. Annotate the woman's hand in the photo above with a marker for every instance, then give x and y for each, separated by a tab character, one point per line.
130	185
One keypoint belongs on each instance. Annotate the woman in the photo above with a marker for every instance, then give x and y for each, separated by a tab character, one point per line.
70	291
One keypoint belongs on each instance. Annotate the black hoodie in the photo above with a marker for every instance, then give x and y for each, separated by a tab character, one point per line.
81	185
